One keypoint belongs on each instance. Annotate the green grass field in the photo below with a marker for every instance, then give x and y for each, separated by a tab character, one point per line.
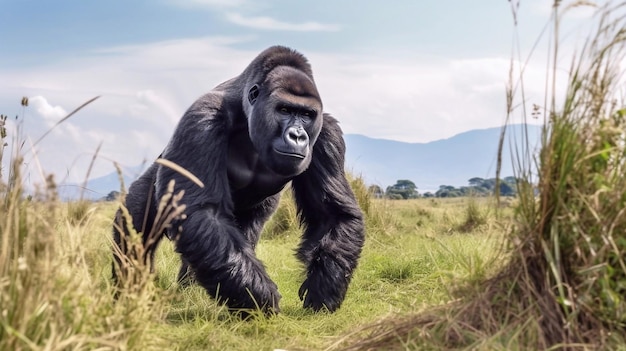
418	256
417	263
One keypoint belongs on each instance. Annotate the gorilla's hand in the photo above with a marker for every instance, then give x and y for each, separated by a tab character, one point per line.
260	292
325	286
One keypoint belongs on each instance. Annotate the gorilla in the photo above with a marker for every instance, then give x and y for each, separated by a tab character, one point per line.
245	141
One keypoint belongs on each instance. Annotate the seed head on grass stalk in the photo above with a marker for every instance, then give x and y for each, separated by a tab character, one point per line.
135	267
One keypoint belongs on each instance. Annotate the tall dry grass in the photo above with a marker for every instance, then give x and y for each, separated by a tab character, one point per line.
51	297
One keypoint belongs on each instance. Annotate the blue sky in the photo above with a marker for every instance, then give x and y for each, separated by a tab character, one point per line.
407	70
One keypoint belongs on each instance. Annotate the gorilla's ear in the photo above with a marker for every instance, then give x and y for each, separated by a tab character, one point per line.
253	93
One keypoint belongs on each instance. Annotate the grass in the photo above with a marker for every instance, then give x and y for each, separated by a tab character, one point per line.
56	293
400	272
65	300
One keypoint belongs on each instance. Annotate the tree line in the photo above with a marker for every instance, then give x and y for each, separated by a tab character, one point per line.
405	189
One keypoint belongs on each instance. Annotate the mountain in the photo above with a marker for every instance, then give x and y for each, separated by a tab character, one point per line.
449	161
100	187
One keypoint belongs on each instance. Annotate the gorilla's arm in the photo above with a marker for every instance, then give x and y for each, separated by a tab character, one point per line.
250	221
334	233
221	257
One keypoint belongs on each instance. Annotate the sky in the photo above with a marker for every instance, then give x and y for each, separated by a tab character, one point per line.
413	71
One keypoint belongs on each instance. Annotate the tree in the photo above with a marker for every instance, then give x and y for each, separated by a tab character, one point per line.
476	181
480	187
448	191
376	191
403	188
112	196
506	189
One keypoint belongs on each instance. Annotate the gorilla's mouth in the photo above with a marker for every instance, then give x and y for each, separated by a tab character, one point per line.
289	154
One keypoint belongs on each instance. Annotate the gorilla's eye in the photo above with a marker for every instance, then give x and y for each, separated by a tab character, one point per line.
284	110
308	115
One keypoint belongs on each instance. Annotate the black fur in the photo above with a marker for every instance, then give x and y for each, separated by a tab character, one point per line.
245	140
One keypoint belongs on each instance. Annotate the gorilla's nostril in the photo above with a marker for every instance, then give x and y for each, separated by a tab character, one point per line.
297	135
293	135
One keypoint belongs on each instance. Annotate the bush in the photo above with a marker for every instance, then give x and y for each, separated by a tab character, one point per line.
474	216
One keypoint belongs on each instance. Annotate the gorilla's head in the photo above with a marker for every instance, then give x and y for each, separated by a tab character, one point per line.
285	119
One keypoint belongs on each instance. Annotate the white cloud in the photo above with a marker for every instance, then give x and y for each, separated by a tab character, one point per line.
209	4
219	2
268	23
571	9
51	113
146	88
256	22
413	100
148	98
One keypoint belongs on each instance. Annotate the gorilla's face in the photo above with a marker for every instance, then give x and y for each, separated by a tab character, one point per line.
286	120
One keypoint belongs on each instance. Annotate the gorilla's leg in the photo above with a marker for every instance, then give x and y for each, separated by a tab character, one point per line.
250	221
141	206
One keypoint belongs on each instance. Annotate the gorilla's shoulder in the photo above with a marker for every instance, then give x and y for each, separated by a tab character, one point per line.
331	125
209	104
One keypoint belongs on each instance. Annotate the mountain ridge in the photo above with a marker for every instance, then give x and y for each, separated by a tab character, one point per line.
449	161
